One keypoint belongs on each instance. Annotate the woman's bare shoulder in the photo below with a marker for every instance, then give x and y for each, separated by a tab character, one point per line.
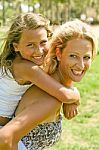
36	95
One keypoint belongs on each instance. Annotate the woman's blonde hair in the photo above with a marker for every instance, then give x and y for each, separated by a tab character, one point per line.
23	21
66	32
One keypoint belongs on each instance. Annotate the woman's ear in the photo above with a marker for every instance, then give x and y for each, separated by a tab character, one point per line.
15	45
58	53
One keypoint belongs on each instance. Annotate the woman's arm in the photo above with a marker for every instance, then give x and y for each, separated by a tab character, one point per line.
31	72
36	106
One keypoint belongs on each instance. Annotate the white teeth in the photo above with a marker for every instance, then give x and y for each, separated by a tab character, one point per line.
38	57
77	72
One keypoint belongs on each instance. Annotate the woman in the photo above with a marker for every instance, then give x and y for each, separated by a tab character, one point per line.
72	50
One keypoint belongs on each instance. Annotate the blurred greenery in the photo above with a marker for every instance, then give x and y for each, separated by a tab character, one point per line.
58	11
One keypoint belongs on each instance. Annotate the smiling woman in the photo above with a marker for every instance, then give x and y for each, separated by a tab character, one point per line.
72	49
76	59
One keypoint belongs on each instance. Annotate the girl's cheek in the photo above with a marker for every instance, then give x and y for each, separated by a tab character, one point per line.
29	52
47	47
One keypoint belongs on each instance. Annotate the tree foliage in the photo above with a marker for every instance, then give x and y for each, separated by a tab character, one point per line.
57	11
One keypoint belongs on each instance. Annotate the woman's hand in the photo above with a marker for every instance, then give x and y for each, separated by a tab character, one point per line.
70	110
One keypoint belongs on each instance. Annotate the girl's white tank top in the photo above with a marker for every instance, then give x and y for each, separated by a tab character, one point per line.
10	94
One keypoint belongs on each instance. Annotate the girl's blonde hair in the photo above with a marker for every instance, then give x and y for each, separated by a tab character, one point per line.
66	32
23	21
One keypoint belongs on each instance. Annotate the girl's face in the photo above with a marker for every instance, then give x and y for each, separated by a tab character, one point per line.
75	59
33	45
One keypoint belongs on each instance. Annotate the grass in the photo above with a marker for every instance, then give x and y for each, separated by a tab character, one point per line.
82	132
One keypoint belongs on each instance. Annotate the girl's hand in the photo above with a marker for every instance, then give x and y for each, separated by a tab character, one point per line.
6	142
77	92
70	110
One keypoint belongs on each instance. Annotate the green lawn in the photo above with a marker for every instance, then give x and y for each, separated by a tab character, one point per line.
82	132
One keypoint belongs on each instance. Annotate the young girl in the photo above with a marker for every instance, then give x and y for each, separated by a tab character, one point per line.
27	39
71	52
23	52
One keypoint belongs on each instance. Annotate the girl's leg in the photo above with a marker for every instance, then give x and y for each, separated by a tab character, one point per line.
21	146
15	147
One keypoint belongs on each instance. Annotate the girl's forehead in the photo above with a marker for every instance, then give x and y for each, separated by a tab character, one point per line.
36	31
33	35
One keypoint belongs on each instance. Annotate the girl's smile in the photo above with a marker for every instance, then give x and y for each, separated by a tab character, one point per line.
33	45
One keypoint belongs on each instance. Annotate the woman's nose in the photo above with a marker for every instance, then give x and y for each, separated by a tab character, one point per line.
81	64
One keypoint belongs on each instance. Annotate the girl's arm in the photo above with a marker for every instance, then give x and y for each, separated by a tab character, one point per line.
28	71
42	107
70	110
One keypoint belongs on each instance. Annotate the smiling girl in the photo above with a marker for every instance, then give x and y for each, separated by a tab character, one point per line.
22	54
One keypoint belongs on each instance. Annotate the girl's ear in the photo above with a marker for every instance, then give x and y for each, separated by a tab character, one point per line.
15	45
58	54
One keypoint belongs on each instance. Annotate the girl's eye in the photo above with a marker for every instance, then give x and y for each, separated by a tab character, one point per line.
31	45
73	56
44	42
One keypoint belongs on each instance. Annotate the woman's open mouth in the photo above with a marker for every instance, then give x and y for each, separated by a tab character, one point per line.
77	73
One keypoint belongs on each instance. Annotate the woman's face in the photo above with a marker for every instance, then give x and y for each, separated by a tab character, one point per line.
33	45
75	59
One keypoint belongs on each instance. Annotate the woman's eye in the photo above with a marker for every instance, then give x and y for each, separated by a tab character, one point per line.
73	56
87	57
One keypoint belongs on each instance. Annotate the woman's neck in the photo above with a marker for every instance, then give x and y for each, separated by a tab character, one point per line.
65	81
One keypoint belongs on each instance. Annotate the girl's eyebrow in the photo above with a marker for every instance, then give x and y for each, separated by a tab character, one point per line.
31	42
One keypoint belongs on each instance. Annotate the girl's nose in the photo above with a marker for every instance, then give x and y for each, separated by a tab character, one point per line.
39	50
